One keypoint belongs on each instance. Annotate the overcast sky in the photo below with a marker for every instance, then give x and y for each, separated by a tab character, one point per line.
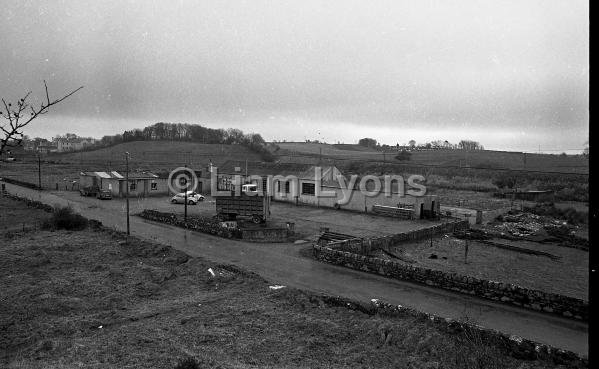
511	74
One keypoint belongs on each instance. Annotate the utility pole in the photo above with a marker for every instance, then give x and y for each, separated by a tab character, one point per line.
466	250
431	237
39	172
186	187
127	190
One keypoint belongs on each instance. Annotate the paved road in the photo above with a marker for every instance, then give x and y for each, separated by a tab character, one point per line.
283	264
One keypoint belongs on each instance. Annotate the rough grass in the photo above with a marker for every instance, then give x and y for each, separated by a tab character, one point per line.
474	159
92	299
157	156
496	264
14	216
568	214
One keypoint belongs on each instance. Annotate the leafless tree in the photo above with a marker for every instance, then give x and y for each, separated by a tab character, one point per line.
19	116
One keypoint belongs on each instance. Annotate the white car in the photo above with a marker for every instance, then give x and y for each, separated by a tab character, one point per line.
192	198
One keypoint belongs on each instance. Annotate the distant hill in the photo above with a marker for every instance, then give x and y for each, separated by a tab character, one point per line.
311	152
157	155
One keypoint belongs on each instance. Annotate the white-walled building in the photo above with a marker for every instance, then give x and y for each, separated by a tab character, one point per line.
73	144
426	206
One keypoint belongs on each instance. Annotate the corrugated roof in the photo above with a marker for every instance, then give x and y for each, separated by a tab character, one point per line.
102	174
327	174
142	175
261	168
117	175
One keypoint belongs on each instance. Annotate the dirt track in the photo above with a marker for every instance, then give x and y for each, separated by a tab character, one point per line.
284	264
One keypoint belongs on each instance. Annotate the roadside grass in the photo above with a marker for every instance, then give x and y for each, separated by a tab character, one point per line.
96	299
15	217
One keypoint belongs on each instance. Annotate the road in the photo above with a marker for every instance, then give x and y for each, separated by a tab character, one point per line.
283	264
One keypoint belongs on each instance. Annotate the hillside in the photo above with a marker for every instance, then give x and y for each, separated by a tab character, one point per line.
305	152
156	155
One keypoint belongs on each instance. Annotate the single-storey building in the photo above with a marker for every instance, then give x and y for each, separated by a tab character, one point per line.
141	184
426	206
175	176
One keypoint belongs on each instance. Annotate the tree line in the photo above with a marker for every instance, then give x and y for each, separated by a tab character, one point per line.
191	133
433	145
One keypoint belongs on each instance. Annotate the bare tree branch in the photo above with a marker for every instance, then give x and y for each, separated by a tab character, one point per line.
12	130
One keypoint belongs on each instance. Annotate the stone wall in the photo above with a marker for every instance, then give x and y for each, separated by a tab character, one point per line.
515	346
386	242
496	291
214	227
30	203
263	234
20	183
201	224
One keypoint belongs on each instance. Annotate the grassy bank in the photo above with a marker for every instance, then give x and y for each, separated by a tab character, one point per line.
91	298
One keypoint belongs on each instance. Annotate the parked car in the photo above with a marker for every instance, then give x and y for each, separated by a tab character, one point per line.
192	198
104	195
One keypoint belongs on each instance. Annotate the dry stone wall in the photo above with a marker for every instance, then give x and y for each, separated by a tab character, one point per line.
517	347
201	224
502	292
365	246
385	242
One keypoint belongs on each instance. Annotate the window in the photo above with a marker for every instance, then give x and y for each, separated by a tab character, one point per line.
132	186
154	186
308	189
284	189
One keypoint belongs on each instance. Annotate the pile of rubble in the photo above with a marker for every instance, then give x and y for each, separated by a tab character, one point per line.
523	224
528	226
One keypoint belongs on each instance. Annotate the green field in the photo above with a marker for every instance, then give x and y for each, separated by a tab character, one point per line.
294	151
154	156
447	169
160	154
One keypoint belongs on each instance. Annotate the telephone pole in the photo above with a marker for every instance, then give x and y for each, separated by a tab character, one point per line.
186	187
127	190
39	172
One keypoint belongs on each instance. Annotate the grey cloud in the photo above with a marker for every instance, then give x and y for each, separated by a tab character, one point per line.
377	63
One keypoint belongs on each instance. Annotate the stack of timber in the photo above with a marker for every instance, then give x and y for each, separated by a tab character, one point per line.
391	211
331	238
